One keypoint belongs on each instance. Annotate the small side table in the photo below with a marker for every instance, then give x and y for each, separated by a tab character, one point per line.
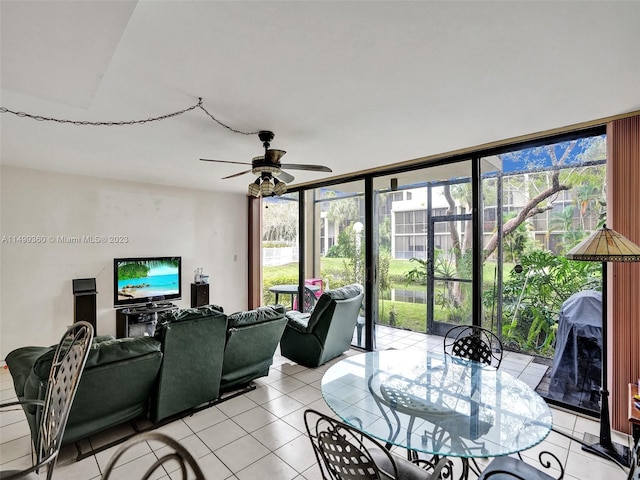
199	294
291	290
634	413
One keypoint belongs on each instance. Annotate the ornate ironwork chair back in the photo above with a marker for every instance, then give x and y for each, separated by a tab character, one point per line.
64	377
171	454
474	343
309	300
343	452
67	366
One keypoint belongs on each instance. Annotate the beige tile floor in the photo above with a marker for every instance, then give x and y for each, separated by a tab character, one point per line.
261	435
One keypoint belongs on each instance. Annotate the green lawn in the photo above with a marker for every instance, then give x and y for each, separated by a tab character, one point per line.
334	271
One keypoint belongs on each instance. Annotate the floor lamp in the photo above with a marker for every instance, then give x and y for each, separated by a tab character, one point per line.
605	245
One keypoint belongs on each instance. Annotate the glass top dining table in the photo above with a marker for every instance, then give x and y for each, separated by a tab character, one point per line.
437	404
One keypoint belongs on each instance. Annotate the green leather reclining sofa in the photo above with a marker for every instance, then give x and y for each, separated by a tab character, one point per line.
116	385
194	356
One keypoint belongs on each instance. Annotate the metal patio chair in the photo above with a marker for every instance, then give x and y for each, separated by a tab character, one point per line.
346	453
474	343
173	456
309	300
67	366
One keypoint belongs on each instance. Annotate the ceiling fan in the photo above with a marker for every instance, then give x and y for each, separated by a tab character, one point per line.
268	167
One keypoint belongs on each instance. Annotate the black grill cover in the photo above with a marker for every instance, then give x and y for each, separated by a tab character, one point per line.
576	370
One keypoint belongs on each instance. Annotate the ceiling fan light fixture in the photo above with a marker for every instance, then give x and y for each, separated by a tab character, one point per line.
273	155
260	169
266	188
254	189
279	187
267	167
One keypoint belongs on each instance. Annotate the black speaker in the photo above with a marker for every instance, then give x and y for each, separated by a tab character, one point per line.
199	294
84	300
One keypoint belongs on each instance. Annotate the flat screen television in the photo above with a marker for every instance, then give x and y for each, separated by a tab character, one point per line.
146	280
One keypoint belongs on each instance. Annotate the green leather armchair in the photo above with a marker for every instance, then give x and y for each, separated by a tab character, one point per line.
252	339
193	347
312	339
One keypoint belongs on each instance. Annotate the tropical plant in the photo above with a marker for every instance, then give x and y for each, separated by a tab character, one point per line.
384	284
533	298
131	270
342	211
345	247
516	243
444	268
417	274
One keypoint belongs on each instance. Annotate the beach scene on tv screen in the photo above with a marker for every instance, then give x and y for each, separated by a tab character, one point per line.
147	279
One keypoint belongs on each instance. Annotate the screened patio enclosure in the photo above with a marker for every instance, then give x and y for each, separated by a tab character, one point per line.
474	240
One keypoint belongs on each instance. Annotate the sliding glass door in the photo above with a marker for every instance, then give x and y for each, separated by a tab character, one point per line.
339	247
449	277
423	240
280	249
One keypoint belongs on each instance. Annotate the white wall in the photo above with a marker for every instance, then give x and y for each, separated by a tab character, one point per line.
207	229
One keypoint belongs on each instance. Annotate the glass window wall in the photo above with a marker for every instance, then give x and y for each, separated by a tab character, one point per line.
534	204
280	249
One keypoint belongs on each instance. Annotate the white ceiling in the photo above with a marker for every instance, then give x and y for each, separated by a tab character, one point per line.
350	85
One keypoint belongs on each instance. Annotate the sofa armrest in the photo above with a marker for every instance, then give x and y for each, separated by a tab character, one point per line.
298	321
103	338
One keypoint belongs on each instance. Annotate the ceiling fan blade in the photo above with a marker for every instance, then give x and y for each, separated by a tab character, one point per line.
285	177
236	174
314	168
224	161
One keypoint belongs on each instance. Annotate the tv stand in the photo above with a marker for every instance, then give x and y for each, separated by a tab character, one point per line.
138	321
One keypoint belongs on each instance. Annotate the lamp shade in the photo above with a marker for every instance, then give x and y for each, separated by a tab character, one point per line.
279	188
605	245
266	188
254	188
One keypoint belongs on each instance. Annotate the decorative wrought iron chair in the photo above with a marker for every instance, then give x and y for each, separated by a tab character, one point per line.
506	468
176	456
395	400
318	282
309	300
474	343
67	365
346	453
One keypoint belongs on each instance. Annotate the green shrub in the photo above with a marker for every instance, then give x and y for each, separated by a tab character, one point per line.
532	299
